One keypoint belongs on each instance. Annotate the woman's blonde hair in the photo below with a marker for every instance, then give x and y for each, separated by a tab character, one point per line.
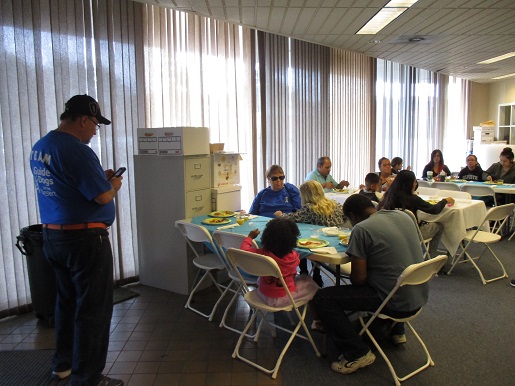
311	192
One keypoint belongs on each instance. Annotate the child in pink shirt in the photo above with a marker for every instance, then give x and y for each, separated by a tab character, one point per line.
279	240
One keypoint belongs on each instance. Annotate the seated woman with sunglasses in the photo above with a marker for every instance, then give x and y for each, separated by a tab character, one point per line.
280	195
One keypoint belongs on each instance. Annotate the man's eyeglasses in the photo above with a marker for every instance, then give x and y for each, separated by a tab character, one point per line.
275	178
96	124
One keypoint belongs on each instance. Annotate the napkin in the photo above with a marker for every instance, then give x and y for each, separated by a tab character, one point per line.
325	250
228	226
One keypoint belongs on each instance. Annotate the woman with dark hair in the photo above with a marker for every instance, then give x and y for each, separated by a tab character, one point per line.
279	240
436	165
401	195
502	170
397	165
385	173
472	172
279	195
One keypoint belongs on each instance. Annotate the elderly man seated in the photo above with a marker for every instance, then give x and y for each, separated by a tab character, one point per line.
321	174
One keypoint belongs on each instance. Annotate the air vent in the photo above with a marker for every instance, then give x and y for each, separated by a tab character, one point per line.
414	39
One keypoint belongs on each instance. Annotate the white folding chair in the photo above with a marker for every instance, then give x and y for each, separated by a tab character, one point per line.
207	263
260	265
425	191
424	243
454	194
224	241
498	213
415	274
423	183
446	186
479	191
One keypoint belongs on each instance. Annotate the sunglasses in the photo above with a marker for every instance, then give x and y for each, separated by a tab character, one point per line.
275	178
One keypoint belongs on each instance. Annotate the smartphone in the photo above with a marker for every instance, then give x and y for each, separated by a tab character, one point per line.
119	172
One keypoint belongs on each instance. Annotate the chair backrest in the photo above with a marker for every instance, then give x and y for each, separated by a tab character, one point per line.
253	263
420	273
423	183
414	274
446	186
194	233
454	194
420	237
499	213
425	191
226	240
479	191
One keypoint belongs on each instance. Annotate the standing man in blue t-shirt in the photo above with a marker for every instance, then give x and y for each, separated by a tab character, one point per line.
321	174
76	207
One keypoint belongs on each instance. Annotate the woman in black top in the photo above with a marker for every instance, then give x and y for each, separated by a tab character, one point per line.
436	165
473	171
401	195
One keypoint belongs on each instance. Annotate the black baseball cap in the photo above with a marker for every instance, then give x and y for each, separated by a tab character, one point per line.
83	105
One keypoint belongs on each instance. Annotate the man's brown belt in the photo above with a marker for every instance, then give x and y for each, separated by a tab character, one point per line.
74	227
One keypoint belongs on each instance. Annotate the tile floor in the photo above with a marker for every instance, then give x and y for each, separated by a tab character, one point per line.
156	341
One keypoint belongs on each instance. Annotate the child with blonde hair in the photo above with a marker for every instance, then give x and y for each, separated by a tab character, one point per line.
316	209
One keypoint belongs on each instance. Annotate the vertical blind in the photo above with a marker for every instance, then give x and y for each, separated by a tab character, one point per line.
52	50
419	111
276	99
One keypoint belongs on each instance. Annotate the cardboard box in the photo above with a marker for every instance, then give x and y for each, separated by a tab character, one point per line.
216	147
483	134
173	141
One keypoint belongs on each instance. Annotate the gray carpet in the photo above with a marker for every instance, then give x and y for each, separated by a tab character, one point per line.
467	326
14	371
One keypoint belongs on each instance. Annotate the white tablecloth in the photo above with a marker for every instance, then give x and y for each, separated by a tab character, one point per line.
456	220
338	197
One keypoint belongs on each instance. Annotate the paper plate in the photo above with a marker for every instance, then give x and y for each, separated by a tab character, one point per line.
331	231
312	243
216	221
222	213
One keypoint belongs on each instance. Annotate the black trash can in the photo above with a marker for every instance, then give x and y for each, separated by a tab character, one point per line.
41	275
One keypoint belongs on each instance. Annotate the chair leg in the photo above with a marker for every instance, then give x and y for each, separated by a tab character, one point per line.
397	379
273	372
190	298
472	260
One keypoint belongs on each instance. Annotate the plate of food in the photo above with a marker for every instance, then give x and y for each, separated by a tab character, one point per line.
331	231
216	221
222	213
344	241
458	181
312	243
491	182
341	190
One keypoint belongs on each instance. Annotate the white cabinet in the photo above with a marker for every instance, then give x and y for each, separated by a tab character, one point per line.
506	122
168	188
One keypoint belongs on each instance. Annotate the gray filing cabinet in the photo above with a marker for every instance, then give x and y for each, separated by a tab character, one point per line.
168	189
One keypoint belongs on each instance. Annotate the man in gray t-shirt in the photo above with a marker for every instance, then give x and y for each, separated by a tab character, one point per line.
382	244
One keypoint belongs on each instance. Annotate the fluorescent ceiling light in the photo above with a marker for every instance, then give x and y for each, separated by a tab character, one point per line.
385	16
504	76
498	58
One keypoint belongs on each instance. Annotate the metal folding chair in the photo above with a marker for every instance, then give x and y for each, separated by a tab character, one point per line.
260	265
224	241
499	214
206	262
415	274
446	186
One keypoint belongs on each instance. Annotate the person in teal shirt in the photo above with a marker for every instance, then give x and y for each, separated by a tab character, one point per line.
321	174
